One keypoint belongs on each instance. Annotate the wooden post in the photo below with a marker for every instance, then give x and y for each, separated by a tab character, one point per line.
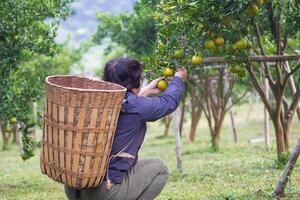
177	138
235	137
266	117
16	136
279	190
35	115
291	84
250	107
256	106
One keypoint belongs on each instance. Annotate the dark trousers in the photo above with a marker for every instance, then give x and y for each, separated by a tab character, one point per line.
144	181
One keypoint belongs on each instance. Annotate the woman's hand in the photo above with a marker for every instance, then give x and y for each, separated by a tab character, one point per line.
181	73
151	89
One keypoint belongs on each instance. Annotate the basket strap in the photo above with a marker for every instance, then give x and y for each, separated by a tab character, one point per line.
119	154
73	105
94	131
73	174
74	151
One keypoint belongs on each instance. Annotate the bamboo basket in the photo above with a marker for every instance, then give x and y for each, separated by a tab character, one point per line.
79	125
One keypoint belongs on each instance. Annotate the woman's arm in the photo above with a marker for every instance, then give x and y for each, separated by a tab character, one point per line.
152	109
150	89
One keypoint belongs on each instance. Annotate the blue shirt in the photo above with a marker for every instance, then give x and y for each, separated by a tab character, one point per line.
131	126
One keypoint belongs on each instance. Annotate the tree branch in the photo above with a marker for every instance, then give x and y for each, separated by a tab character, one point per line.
258	88
237	101
286	78
266	67
228	93
294	105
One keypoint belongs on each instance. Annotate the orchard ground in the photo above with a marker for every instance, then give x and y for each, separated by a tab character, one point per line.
239	171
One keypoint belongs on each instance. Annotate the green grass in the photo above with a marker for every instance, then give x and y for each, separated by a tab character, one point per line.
238	171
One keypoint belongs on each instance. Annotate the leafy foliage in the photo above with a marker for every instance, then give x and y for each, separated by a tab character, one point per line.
27	27
135	31
189	24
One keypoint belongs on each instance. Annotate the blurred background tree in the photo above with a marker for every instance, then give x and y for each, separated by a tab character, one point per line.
135	32
27	30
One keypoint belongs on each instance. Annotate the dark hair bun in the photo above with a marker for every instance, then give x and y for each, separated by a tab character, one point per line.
123	71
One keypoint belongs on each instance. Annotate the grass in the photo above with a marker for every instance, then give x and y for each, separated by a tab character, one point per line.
238	171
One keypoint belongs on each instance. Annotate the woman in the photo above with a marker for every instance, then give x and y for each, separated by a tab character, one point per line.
130	178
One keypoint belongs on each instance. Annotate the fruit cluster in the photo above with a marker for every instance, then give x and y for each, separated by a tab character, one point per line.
12	122
167	73
237	70
253	8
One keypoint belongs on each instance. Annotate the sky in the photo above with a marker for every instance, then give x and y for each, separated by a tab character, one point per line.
83	24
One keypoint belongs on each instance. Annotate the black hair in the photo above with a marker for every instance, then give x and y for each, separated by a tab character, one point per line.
123	71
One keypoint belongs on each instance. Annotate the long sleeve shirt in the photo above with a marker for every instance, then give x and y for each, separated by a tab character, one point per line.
131	126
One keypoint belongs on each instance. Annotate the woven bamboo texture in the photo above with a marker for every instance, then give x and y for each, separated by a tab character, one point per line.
79	124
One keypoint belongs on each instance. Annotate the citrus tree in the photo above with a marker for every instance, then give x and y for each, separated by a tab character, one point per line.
134	31
190	30
27	27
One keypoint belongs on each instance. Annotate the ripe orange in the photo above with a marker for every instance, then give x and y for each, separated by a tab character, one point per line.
13	120
241	73
7	130
219	41
209	44
197	60
249	44
241	44
252	10
259	3
161	46
226	21
234	69
162	85
211	34
179	54
168	72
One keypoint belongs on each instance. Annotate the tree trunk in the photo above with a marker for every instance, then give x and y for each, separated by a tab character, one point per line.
195	120
280	141
167	125
215	143
177	140
5	137
279	190
181	119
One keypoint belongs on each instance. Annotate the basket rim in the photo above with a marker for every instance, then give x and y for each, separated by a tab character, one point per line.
122	89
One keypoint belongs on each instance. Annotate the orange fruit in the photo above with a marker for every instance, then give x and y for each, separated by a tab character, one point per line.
13	120
197	60
219	41
211	34
168	72
249	44
7	130
241	44
241	73
252	10
179	54
162	85
209	44
226	21
234	69
259	3
161	46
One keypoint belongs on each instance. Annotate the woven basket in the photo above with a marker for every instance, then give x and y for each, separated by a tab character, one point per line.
79	125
